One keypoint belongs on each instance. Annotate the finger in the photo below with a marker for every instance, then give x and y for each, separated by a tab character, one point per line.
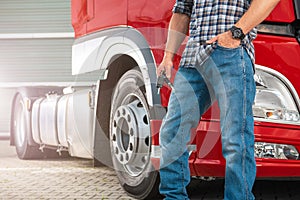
159	70
168	72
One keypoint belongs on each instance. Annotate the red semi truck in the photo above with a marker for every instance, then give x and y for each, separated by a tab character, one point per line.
114	119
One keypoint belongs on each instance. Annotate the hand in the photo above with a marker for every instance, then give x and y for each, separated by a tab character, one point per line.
225	40
166	66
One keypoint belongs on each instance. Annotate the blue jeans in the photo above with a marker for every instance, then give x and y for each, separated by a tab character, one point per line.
227	76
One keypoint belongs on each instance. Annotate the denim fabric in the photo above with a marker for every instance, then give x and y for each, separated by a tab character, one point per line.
226	76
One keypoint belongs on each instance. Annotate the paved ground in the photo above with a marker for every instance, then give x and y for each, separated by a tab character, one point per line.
54	179
77	179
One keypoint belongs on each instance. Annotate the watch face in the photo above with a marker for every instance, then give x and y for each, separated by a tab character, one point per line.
237	34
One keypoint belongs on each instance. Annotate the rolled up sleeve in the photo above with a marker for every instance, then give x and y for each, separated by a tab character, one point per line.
184	7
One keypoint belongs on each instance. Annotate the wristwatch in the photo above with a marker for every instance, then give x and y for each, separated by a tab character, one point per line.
237	33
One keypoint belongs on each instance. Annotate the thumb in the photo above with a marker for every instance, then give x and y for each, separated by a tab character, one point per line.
212	40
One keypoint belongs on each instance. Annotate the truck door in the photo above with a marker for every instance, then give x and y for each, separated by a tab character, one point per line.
151	18
82	12
105	14
89	16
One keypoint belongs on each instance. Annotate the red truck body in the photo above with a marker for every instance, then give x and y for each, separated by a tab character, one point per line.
277	54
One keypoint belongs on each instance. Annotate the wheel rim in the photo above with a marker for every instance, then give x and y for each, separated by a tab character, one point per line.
20	125
130	135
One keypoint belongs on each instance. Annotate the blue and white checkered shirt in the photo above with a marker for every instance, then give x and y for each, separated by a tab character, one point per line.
208	19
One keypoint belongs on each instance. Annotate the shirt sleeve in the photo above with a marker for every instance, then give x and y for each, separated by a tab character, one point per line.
184	7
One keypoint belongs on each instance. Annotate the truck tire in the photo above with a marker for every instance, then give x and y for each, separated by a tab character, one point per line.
130	138
22	131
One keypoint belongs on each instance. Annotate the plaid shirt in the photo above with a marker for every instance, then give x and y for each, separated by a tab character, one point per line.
208	19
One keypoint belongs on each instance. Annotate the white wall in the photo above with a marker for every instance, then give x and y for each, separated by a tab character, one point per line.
35	46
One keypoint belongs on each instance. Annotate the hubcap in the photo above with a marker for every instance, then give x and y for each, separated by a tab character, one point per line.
130	136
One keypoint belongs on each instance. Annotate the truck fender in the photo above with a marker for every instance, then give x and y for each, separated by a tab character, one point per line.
97	51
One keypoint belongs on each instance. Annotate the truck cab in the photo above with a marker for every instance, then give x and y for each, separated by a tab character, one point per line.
115	118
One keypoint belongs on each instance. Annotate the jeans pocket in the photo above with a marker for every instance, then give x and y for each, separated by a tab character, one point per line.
218	46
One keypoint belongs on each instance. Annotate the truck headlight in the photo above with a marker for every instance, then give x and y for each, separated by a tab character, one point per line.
276	151
273	100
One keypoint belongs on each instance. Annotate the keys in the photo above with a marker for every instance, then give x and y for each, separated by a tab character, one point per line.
159	83
163	79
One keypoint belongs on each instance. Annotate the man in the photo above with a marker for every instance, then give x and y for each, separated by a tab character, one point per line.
216	64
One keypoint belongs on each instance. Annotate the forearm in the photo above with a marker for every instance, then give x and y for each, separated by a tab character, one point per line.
178	29
258	11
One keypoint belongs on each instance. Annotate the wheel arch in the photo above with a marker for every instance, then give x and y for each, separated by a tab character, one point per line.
99	50
135	46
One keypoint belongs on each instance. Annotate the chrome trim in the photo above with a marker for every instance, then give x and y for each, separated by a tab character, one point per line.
155	151
205	178
290	87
